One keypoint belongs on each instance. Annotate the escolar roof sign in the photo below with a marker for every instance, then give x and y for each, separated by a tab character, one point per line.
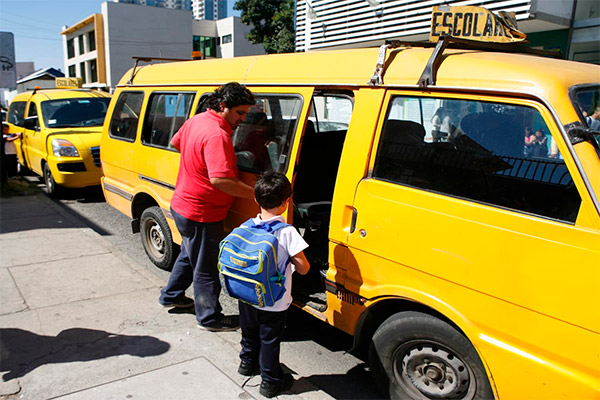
474	23
68	83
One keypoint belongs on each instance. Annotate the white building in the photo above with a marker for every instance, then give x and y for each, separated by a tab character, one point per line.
99	49
571	25
209	9
180	4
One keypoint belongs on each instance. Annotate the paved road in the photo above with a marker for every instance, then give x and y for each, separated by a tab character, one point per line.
313	341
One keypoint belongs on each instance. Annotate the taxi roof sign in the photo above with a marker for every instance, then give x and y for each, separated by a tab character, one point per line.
69	83
474	23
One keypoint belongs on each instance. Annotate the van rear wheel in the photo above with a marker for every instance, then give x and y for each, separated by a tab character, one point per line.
157	239
417	356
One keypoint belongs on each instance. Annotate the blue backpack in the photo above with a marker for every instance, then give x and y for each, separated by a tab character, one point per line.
248	264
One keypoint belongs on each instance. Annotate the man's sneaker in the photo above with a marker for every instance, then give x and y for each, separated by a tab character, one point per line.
181	302
224	324
273	389
248	369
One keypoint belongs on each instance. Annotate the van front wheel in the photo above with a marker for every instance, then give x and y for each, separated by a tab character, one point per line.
52	187
157	239
417	356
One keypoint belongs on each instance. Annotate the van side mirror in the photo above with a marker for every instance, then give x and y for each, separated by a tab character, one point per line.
32	123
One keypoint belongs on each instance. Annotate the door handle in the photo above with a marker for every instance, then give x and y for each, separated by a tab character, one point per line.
354	217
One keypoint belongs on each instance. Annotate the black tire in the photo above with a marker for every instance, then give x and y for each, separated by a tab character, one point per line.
157	239
22	169
417	356
53	188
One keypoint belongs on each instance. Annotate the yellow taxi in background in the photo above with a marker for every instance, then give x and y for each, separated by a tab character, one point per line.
60	135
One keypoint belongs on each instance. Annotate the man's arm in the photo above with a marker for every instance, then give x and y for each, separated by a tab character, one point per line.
234	187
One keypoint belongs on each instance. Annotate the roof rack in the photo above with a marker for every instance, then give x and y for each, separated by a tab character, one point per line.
428	77
150	59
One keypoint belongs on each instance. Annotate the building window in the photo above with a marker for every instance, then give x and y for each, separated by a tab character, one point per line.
81	47
72	72
92	40
93	71
70	48
226	39
206	44
82	71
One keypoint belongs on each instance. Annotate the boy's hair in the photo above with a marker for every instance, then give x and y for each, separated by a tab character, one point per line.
232	94
272	189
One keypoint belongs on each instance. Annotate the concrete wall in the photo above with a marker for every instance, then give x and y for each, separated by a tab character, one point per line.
134	30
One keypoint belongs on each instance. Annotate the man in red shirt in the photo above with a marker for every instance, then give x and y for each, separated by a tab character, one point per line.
207	183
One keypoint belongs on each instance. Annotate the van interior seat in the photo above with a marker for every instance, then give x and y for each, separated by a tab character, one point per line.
314	184
501	134
318	164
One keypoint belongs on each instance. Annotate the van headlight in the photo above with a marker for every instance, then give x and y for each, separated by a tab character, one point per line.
64	148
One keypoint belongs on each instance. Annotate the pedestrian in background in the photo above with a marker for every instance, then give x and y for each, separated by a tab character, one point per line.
10	151
207	183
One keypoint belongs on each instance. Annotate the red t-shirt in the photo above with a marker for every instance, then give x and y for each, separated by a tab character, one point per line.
207	152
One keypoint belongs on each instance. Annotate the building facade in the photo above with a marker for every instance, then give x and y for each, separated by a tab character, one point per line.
100	48
179	4
209	9
573	26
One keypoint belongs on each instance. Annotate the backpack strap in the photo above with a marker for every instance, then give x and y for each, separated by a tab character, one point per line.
270	227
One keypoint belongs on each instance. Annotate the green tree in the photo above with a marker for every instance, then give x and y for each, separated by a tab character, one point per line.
272	21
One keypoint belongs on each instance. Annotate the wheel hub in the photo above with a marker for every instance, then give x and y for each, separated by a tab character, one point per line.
157	239
435	372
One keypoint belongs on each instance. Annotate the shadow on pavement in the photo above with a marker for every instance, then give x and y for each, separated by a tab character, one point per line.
301	326
22	351
356	384
23	209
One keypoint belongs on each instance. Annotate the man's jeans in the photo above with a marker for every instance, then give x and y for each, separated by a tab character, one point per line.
197	264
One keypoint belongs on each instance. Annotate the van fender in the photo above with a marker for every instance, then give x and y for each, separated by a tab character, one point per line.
378	309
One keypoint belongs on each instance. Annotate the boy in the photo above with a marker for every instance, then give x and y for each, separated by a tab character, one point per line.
262	327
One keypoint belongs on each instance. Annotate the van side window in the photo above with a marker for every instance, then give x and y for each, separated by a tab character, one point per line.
165	115
263	141
126	115
16	113
478	151
32	112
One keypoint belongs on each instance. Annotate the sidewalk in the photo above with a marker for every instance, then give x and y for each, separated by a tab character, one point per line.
79	319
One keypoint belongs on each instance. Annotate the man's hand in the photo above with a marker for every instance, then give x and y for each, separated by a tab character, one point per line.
234	187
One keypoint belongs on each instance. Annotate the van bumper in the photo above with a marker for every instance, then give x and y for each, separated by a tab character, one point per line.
75	173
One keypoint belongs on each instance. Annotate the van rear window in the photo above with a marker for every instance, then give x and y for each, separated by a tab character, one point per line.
494	153
126	115
165	115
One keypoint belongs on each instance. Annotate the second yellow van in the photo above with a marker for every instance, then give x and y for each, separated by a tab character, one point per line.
60	135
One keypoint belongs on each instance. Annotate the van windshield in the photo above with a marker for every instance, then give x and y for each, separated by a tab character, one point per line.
79	112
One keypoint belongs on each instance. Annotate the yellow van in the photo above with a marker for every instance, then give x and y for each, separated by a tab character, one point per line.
460	251
61	131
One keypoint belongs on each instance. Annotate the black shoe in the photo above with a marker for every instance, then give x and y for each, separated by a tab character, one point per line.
181	302
273	389
224	324
248	369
